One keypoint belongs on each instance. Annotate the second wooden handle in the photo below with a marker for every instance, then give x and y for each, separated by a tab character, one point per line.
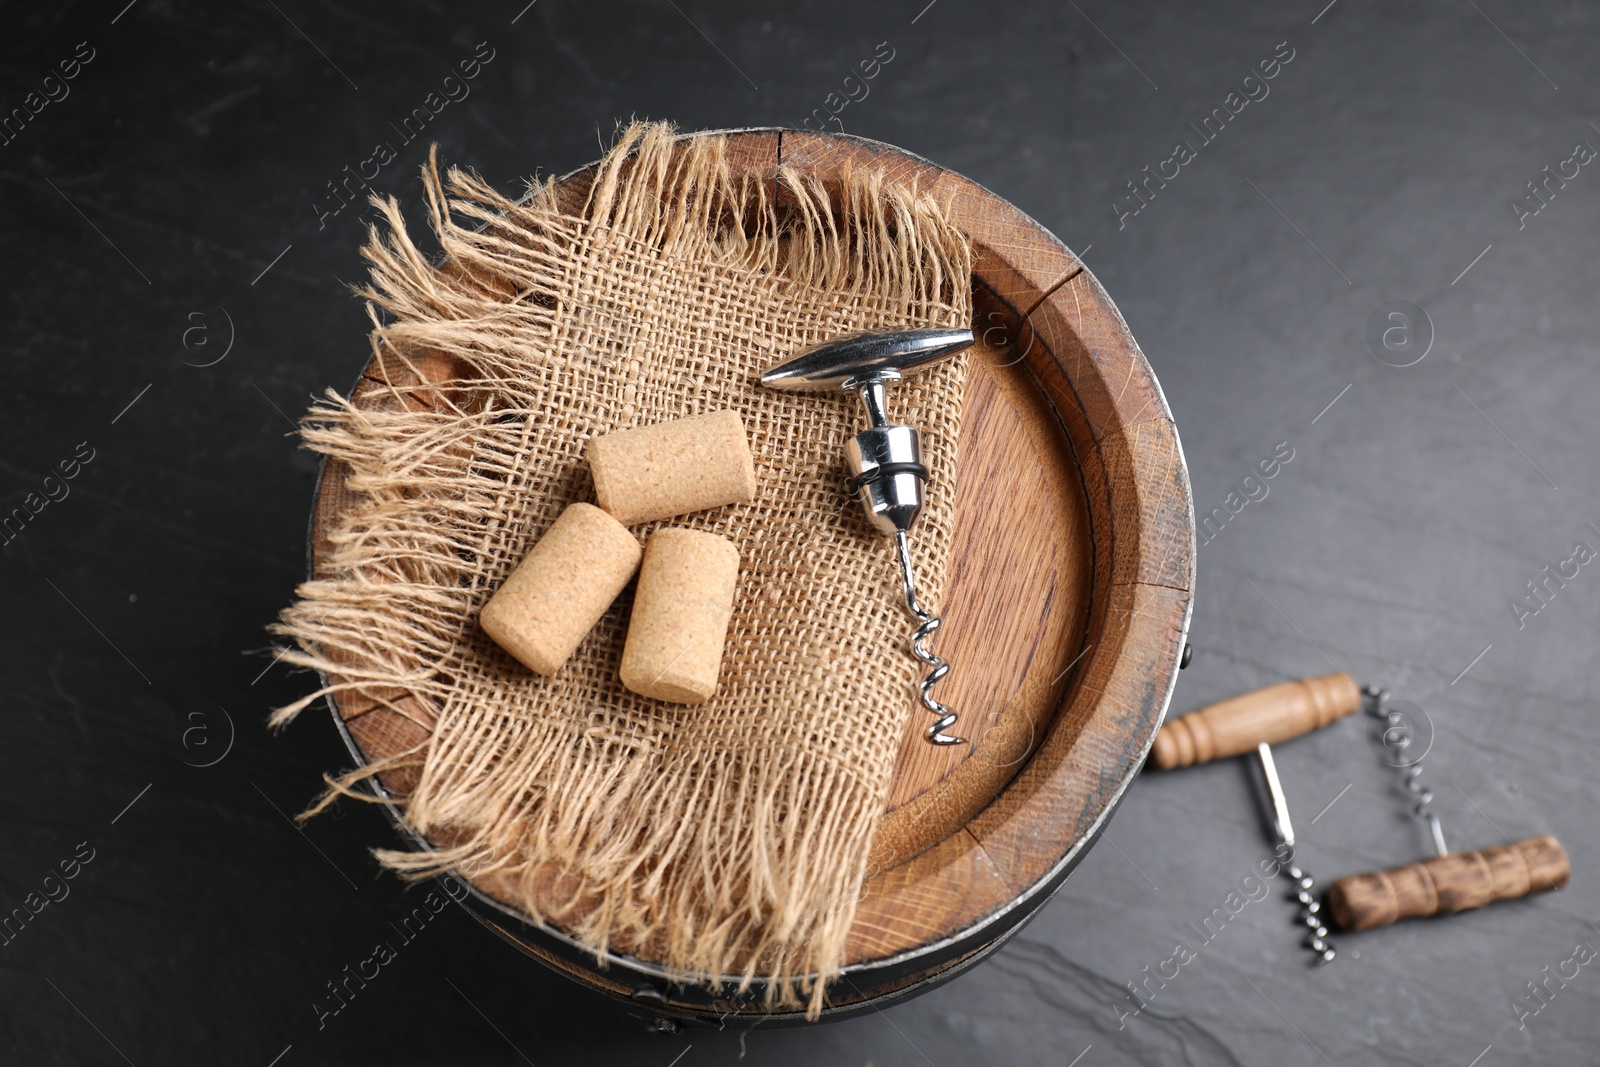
1236	725
1444	885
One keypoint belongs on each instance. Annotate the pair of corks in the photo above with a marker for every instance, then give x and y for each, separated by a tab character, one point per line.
684	598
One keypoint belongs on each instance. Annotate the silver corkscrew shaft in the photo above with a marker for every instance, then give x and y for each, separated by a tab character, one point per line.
886	459
1304	885
938	668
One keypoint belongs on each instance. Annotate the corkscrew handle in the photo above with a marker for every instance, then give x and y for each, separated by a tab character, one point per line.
1275	714
1444	885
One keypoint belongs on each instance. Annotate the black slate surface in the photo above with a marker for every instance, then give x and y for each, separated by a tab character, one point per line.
173	198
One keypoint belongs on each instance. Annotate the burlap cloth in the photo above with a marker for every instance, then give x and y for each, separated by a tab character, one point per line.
727	839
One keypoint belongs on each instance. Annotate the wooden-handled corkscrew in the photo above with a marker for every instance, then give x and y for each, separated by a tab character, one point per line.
1448	883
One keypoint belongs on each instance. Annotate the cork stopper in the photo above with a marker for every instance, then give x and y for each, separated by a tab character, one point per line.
673	468
561	588
681	610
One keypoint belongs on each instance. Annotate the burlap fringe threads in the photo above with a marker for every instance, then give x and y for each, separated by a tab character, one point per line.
729	839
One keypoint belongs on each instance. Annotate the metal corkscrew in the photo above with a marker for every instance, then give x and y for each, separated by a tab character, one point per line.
887	474
1443	885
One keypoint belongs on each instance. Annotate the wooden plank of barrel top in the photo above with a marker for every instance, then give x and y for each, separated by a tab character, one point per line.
1237	725
1444	885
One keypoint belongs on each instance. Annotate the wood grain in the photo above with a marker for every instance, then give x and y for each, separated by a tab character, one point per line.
1069	597
1454	882
1273	714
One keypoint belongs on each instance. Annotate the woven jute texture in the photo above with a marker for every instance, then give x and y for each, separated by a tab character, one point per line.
728	839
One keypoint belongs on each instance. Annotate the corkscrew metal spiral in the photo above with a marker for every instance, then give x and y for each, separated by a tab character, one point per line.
938	668
885	459
1396	739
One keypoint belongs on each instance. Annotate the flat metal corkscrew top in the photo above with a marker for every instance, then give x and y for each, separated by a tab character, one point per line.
885	458
845	361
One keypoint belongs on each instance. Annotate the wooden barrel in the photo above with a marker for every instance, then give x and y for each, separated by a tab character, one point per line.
1065	613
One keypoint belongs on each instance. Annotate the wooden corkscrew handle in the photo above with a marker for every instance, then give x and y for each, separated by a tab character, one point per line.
1237	725
1444	885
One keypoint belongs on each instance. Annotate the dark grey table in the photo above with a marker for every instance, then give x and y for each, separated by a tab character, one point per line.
172	198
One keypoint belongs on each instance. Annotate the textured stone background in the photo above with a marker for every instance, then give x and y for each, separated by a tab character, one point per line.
175	189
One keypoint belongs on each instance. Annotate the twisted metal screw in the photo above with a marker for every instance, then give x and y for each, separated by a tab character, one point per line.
1311	915
1396	739
929	625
